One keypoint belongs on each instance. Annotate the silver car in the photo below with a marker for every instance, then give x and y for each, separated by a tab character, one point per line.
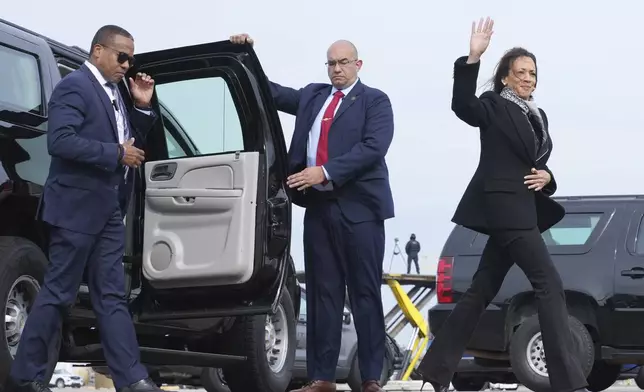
347	370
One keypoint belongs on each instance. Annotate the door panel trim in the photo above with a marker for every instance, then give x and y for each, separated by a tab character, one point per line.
201	236
194	192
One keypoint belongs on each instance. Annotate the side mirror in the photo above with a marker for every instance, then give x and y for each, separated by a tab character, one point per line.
347	317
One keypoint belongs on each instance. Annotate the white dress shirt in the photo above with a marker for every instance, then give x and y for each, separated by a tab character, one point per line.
314	135
122	125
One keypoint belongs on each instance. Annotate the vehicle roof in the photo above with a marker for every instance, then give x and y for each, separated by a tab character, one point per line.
57	47
461	237
600	198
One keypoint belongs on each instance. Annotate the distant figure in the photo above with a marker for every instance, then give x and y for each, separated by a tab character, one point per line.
412	249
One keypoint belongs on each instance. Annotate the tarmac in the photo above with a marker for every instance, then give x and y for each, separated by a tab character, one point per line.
394	386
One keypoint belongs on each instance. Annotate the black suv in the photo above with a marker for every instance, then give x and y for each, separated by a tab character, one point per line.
210	282
598	248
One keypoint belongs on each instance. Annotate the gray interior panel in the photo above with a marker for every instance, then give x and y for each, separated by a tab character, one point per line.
200	220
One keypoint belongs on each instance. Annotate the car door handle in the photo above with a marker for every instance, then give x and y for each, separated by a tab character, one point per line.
163	171
634	273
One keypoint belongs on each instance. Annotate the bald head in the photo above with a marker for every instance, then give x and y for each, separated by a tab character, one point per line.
343	63
344	46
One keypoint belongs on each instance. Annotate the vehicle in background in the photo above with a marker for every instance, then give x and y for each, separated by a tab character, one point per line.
347	371
504	387
629	371
598	249
61	378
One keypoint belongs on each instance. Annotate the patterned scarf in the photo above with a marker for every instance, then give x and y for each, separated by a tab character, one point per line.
530	109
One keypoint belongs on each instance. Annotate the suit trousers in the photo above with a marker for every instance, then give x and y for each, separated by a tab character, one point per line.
527	249
339	252
70	253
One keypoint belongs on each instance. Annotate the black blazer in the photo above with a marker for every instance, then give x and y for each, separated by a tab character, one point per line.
496	197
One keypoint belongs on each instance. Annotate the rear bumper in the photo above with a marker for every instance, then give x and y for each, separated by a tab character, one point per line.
489	334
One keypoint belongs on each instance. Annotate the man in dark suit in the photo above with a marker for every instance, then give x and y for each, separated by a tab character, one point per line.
337	157
412	248
93	124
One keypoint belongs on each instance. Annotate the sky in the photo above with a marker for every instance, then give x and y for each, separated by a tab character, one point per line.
589	55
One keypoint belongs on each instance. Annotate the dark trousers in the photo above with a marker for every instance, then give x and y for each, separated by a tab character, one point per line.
338	251
413	258
70	253
504	248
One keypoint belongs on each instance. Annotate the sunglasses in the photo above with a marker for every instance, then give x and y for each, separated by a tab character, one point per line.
121	56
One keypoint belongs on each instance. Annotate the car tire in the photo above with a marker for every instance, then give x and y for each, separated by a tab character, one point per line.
461	383
639	378
248	334
603	376
22	269
213	380
60	383
355	380
527	356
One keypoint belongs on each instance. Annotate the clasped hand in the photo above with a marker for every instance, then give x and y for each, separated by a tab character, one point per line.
537	180
132	156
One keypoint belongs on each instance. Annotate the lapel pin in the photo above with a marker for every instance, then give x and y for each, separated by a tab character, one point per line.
353	98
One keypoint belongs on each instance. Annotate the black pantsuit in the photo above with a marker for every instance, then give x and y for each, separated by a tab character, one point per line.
498	203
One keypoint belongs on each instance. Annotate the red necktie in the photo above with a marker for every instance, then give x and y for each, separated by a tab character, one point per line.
322	155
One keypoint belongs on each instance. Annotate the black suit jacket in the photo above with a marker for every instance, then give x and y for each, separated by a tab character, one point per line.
496	197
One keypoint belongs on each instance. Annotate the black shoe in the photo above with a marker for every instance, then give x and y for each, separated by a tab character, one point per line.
145	385
30	386
437	387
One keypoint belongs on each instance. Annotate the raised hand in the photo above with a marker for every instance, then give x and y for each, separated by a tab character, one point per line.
241	39
142	89
481	37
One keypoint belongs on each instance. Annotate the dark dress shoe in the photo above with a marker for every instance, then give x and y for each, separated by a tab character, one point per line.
31	386
145	385
372	386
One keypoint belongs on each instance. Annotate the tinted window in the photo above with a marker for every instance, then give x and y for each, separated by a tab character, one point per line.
573	229
174	148
639	240
205	110
20	81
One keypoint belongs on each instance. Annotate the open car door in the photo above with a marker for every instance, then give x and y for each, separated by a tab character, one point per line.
216	211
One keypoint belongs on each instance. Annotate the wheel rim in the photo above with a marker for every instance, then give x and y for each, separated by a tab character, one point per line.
536	355
19	300
276	340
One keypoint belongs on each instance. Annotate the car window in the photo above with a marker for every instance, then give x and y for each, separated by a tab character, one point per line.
174	148
206	112
639	240
20	86
573	229
302	306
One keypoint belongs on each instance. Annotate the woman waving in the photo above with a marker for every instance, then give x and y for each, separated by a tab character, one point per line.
508	198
